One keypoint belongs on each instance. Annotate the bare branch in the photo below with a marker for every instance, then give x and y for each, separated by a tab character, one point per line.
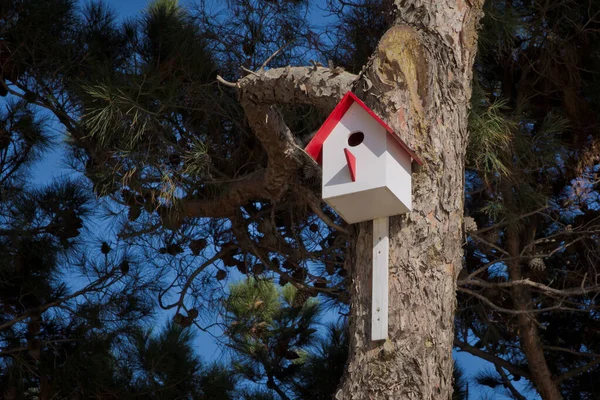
514	312
577	353
227	83
301	85
235	195
315	206
94	286
513	369
488	265
297	85
574	372
535	285
492	245
278	141
272	56
505	222
197	271
248	71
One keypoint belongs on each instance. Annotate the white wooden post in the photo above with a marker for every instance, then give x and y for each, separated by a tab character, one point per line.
379	298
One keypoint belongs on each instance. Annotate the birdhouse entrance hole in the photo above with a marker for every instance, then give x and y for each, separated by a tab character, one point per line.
356	138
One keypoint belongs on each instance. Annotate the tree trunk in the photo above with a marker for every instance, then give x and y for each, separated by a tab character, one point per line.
420	82
529	337
541	376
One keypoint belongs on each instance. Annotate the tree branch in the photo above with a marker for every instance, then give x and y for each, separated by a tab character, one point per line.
234	196
318	86
510	367
259	92
526	282
574	372
315	206
514	312
509	385
577	353
284	156
190	279
91	287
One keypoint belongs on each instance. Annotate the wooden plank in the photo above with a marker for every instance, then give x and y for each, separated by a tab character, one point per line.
379	299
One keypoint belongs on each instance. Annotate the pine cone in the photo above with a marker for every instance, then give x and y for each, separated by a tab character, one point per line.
288	265
301	297
196	246
124	267
493	236
330	268
258	269
299	274
5	139
174	249
134	212
537	264
221	274
105	248
242	267
178	318
320	283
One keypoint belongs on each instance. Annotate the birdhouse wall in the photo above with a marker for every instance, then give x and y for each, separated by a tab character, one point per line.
370	165
398	172
382	185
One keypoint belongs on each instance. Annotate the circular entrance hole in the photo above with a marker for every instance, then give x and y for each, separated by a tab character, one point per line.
355	139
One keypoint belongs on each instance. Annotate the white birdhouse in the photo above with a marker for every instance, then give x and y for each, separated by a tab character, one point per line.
366	176
366	167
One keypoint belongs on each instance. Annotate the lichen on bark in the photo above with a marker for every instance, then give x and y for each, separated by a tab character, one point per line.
400	61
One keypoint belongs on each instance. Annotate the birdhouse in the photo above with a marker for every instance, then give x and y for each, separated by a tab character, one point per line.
366	166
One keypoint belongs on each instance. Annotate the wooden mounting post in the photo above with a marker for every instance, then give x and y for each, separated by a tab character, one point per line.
379	295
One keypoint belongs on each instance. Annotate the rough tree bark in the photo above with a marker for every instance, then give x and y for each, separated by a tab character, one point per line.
419	81
421	85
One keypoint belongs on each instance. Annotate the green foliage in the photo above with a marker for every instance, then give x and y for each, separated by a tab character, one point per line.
119	111
488	378
269	337
490	136
169	357
23	137
169	368
324	365
532	127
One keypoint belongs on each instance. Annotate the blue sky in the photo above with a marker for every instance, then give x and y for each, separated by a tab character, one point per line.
52	166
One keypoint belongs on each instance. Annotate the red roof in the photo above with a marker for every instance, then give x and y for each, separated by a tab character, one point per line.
315	147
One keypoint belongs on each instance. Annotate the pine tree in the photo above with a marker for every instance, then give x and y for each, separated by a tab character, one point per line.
195	160
59	337
54	328
530	189
269	333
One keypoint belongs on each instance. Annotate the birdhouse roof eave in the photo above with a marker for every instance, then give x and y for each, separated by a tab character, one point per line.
315	146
